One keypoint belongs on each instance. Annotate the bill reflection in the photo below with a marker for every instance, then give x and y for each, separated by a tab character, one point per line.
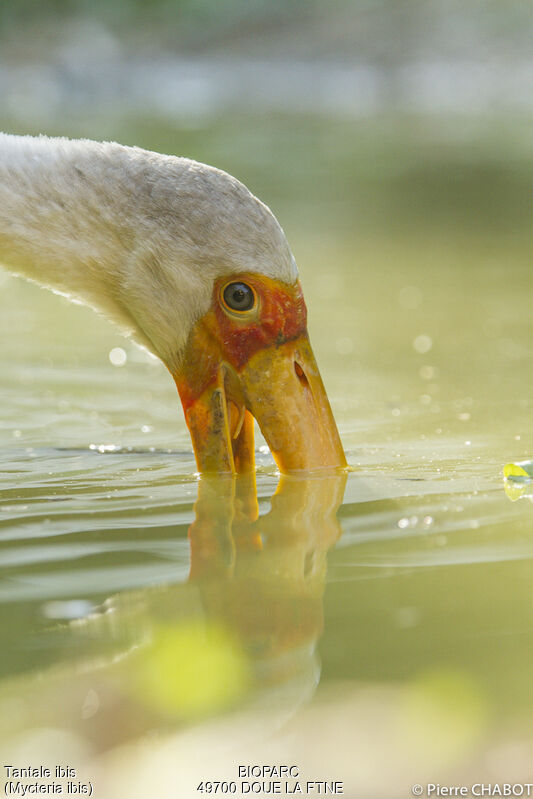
262	578
239	634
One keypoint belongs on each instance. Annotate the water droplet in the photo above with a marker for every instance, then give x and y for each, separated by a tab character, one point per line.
403	523
410	297
146	428
118	356
344	345
17	433
407	617
427	372
427	521
67	609
422	343
108	447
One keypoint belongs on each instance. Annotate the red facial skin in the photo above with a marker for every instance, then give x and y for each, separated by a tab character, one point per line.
257	365
233	337
281	316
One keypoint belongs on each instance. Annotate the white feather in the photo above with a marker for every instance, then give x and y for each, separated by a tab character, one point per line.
140	237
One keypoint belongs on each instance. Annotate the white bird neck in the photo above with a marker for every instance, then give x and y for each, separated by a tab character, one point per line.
138	236
67	218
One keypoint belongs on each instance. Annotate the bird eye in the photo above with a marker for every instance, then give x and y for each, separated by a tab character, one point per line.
239	297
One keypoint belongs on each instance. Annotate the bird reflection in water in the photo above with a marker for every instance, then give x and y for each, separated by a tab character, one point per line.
241	632
263	577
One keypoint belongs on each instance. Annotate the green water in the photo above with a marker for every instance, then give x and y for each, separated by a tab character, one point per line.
378	632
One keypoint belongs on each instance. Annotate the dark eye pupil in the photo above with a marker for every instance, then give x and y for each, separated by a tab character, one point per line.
239	296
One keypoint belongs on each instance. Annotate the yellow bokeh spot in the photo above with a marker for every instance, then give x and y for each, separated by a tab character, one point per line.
445	713
192	670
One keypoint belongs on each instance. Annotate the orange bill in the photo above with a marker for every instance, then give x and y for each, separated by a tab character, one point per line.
256	364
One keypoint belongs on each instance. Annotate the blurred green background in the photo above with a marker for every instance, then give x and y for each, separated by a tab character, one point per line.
374	112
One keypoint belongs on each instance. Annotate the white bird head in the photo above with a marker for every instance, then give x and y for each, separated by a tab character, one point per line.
192	265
